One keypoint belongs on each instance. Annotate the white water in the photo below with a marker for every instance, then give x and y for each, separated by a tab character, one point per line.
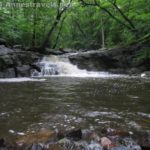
60	66
21	80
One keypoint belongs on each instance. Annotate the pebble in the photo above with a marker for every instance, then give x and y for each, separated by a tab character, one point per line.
105	142
11	131
94	146
96	120
20	133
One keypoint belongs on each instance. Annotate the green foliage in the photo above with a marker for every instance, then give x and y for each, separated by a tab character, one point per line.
82	27
143	54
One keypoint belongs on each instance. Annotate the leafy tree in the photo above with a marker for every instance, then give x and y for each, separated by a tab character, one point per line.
79	24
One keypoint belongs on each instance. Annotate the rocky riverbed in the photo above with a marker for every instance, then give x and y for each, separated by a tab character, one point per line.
77	139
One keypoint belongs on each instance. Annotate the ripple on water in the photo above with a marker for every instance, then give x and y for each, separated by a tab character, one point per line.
144	114
133	96
58	121
4	114
134	125
93	114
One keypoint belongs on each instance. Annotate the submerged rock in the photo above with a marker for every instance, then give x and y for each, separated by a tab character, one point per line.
94	146
37	147
131	144
2	141
71	134
74	134
145	141
30	138
120	148
72	140
115	132
105	142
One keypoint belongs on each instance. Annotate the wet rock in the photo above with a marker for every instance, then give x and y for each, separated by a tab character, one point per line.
2	141
116	60
16	63
55	52
105	142
131	144
3	42
94	146
74	134
8	73
114	132
134	71
37	147
4	145
17	46
118	71
120	148
65	142
73	145
23	71
55	147
5	50
38	137
61	134
145	141
75	140
36	67
71	134
145	74
81	145
89	135
94	61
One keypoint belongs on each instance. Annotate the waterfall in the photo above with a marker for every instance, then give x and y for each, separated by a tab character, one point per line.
60	66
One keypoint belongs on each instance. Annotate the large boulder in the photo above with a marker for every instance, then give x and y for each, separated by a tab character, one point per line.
8	73
5	50
3	42
117	60
16	62
95	61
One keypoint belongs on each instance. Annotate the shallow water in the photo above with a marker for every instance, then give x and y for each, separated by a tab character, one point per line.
67	102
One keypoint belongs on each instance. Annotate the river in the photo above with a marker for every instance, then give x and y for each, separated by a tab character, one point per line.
75	102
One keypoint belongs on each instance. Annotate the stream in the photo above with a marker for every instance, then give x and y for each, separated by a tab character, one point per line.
80	100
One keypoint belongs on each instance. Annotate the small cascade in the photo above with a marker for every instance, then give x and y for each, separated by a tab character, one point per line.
61	66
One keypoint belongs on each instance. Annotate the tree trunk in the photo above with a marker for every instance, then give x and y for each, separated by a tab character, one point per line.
34	26
59	32
103	33
60	12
